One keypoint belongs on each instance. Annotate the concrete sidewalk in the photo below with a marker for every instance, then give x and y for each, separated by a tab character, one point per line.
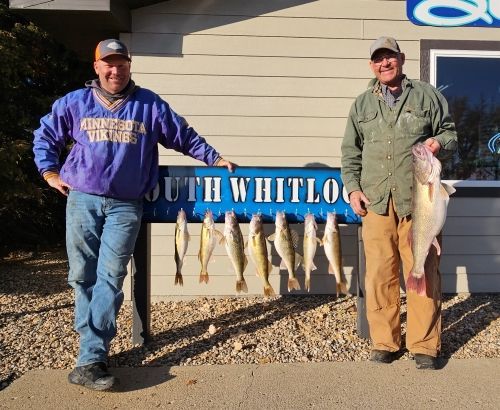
473	383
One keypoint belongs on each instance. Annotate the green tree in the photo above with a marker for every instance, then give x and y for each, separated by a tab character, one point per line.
35	70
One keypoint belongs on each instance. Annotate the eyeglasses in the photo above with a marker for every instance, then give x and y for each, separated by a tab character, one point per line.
391	58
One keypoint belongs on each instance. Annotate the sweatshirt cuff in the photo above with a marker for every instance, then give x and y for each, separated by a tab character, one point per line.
49	174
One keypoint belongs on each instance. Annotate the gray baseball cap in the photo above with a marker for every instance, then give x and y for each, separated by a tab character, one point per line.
111	47
383	42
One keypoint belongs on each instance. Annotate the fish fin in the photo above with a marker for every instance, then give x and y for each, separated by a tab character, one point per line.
271	237
295	238
416	284
188	237
203	277
331	271
341	288
298	260
283	265
241	286
319	241
410	238
450	190
293	283
430	191
307	283
313	266
438	247
269	291
219	235
269	266
245	262
178	279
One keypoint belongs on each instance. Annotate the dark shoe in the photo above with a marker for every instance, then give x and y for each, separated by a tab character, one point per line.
94	376
383	356
426	362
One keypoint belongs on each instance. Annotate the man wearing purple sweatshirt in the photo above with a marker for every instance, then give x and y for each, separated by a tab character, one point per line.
114	127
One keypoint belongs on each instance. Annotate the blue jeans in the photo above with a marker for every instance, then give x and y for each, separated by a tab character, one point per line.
100	239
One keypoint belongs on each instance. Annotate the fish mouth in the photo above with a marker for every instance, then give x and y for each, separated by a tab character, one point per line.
421	152
309	218
280	218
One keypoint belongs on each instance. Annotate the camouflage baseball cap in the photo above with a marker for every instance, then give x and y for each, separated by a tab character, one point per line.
383	42
111	47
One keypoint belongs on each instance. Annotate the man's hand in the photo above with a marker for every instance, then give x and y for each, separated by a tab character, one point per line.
358	202
221	162
433	144
56	182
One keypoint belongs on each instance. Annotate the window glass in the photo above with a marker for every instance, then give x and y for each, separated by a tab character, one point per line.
470	81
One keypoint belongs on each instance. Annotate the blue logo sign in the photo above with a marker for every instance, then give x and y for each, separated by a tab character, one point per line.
248	190
454	13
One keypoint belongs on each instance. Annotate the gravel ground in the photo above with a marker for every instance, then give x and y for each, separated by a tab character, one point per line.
37	310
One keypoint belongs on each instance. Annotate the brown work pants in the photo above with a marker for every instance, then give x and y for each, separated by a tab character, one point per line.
385	239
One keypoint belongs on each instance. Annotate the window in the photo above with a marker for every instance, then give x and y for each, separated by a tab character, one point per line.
469	80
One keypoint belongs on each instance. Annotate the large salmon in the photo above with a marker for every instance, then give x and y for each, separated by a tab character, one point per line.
430	199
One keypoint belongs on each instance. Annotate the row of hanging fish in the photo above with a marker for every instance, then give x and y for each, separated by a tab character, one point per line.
285	242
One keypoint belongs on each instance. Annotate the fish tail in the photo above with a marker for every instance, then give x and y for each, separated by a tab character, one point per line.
241	286
203	276
293	283
269	291
308	283
341	288
178	279
416	283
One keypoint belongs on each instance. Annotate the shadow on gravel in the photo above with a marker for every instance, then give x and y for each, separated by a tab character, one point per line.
245	320
17	315
462	321
465	319
33	273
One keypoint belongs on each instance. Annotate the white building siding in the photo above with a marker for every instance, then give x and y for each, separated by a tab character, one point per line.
270	83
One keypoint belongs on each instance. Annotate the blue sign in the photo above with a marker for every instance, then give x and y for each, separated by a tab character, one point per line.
454	13
248	190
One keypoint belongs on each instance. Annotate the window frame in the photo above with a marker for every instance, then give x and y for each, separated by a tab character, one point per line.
429	49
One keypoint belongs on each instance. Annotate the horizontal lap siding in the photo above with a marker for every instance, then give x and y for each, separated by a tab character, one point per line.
270	84
471	246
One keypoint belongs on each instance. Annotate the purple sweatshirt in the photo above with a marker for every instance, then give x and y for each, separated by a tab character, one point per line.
115	145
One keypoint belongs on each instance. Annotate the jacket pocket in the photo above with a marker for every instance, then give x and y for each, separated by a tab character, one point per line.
417	122
369	125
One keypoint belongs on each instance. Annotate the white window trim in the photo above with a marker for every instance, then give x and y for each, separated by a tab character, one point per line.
434	53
